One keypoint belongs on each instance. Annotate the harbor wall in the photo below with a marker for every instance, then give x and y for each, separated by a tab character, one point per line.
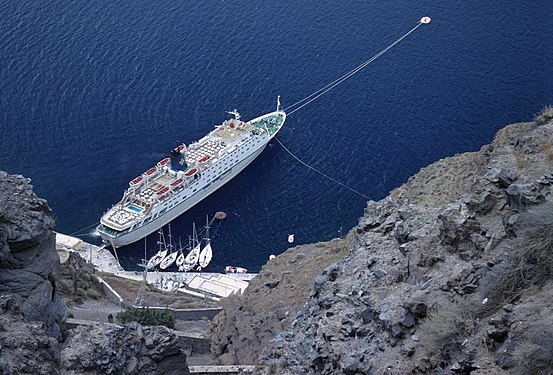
110	293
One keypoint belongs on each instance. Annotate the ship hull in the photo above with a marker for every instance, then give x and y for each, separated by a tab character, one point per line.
153	225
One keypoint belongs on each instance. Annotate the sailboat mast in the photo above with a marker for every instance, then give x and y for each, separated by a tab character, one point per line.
170	240
206	229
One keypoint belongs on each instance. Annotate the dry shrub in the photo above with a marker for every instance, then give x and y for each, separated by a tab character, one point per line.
447	323
544	116
530	259
534	354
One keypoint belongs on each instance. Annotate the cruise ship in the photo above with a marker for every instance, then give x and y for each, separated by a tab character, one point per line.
190	174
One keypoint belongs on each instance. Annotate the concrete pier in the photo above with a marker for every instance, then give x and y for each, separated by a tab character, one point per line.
201	284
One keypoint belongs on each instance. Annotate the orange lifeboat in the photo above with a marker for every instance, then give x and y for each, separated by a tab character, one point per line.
163	162
162	192
205	158
177	183
150	172
191	172
136	182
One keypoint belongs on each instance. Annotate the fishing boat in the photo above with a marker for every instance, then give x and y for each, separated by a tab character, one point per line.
190	174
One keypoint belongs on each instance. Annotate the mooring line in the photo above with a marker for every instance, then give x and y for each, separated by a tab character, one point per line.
319	172
317	94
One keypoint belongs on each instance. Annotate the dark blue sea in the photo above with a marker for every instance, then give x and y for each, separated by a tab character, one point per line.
93	93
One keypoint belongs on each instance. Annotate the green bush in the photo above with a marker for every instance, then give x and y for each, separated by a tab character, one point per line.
147	317
535	352
78	300
544	116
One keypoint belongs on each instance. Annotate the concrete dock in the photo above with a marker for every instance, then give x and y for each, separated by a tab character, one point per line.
201	284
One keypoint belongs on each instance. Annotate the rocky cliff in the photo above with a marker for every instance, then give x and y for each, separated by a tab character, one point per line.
29	264
32	315
451	273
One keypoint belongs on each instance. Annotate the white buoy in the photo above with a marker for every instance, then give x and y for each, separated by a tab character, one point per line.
290	238
426	20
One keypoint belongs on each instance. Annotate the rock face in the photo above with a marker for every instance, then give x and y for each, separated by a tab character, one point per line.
132	349
411	295
24	346
271	301
29	263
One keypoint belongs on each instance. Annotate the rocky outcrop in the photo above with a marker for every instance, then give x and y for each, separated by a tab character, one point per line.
29	263
24	346
132	349
425	250
271	301
32	315
410	296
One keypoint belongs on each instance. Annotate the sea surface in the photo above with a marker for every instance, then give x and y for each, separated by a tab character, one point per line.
93	93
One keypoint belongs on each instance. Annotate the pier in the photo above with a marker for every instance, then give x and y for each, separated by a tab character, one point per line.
200	284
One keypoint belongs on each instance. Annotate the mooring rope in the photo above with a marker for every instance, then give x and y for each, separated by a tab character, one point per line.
317	94
319	172
81	232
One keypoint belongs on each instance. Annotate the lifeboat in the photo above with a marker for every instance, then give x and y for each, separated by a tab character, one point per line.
162	192
163	162
150	172
136	182
205	158
191	172
177	151
177	183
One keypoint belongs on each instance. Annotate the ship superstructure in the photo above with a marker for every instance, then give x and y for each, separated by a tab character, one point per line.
190	174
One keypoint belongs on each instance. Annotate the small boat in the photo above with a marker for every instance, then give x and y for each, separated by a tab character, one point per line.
161	254
180	259
191	172
177	183
150	172
169	259
162	192
191	259
136	182
233	269
206	254
163	162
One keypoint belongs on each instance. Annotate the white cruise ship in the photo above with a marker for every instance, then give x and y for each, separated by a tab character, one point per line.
177	183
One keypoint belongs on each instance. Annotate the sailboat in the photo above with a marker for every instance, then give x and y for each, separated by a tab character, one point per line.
160	255
169	259
180	259
192	258
206	254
